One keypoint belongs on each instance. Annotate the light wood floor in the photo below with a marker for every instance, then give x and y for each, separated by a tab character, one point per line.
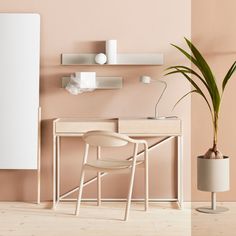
223	224
27	219
162	219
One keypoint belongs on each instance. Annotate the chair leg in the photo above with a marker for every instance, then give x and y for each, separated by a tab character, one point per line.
146	182
99	201
80	192
98	178
129	193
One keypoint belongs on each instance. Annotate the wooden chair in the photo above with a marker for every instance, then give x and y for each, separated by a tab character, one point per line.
110	139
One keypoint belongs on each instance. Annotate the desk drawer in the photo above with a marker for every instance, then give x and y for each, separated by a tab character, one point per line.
160	127
84	126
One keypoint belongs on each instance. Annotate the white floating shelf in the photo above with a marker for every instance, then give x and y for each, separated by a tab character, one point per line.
104	82
122	59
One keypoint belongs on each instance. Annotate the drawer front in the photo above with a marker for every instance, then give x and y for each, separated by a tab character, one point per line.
83	127
150	127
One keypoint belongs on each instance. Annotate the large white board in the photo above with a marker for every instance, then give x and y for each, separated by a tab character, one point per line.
19	90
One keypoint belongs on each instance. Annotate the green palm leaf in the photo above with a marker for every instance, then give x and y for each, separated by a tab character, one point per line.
198	60
190	57
185	95
190	71
208	75
228	76
197	88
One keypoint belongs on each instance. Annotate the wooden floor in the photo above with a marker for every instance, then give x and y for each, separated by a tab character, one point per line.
162	219
27	219
223	224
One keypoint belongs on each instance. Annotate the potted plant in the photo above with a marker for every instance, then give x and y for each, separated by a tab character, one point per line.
213	166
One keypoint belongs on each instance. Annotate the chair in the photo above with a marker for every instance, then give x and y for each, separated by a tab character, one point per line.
110	139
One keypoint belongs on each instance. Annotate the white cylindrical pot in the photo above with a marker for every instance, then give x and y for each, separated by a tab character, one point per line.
213	174
111	51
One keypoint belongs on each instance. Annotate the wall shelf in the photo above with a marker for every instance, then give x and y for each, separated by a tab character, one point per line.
124	59
102	82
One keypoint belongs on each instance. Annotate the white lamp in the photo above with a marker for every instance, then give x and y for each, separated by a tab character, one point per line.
148	80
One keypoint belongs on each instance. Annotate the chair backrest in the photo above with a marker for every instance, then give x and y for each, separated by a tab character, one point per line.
106	139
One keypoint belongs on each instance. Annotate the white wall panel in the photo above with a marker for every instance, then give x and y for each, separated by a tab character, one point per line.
19	95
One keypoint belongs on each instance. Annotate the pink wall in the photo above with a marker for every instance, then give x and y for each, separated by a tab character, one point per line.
81	26
213	30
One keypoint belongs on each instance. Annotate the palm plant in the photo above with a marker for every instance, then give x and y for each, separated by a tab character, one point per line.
211	95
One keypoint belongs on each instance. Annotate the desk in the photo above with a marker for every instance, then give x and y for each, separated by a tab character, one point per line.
135	127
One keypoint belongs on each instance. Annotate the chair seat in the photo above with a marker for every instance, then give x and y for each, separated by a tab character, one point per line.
104	164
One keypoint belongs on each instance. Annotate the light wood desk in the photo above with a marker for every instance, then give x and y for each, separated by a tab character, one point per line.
135	127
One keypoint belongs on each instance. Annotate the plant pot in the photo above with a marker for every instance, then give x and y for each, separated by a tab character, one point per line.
213	174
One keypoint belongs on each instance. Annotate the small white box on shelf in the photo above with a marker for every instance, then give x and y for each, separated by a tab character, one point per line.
87	79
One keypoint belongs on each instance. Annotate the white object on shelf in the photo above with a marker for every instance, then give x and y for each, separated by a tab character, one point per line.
104	82
122	59
111	51
81	82
86	79
101	58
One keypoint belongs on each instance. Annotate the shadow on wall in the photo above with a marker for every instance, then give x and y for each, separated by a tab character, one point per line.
89	47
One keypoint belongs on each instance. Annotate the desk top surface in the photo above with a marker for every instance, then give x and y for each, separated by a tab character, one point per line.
93	119
131	126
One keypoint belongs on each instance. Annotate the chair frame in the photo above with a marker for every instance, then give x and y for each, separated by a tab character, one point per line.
119	137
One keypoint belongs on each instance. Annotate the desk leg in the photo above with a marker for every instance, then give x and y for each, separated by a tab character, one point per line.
39	158
58	170
180	171
54	171
38	182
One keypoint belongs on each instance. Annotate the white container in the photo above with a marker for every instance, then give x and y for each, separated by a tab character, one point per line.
213	174
111	51
87	79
